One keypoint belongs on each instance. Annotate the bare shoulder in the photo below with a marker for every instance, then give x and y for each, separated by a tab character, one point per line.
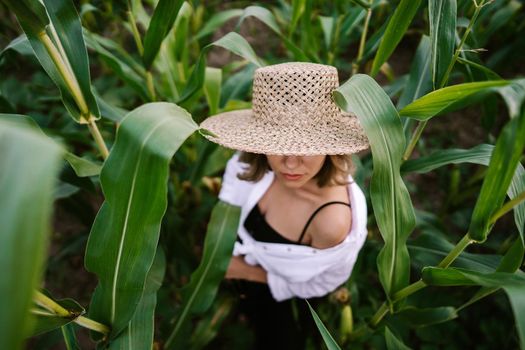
330	226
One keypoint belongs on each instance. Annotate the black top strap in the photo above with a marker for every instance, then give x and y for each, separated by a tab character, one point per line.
315	213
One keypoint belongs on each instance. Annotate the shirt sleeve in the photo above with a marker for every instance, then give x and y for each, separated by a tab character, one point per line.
317	286
231	189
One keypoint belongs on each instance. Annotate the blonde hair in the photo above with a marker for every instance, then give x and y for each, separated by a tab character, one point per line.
334	171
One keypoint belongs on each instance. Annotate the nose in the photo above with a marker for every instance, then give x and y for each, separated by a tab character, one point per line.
292	162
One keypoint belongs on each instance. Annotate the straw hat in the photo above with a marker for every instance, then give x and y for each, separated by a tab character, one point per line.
292	114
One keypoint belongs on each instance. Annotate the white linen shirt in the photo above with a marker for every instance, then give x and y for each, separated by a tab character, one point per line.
294	270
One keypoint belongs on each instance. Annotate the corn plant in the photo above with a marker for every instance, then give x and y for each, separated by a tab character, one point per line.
137	74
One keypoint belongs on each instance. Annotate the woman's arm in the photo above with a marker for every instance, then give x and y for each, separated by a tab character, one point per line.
239	269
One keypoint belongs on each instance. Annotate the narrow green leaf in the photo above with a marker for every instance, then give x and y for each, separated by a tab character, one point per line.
505	158
44	324
512	283
70	338
65	33
427	316
81	166
200	292
163	18
327	25
140	330
126	229
514	96
429	249
489	73
26	158
216	21
362	3
449	98
419	81
329	341
390	198
510	262
262	14
442	17
31	14
392	342
395	30
66	22
478	155
119	62
232	42
266	16
212	88
108	111
297	11
21	45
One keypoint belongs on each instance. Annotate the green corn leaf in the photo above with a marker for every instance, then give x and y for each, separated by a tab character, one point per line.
389	195
70	338
416	317
212	88
126	229
395	30
477	155
442	17
216	21
503	163
297	11
64	35
47	323
163	18
120	63
81	166
108	111
419	81
329	341
392	342
429	249
510	262
140	330
362	3
31	14
211	324
30	163
512	283
449	98
21	45
489	73
199	294
232	42
266	16
514	96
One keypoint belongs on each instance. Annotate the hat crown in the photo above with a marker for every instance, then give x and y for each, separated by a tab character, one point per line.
295	94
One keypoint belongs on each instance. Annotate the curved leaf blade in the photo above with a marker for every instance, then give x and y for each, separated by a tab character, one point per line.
26	158
503	162
392	342
478	155
200	292
448	98
390	198
163	18
512	283
66	24
419	80
427	316
395	30
232	42
216	21
329	341
126	230
442	15
140	330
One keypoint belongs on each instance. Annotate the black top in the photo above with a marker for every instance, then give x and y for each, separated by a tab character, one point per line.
261	231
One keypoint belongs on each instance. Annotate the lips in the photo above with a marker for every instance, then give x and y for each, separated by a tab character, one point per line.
292	177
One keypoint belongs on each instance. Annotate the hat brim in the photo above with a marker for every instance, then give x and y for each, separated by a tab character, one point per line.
239	130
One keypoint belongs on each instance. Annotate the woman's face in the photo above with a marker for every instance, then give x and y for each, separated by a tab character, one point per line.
295	171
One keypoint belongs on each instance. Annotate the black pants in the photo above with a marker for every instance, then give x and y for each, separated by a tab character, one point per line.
277	325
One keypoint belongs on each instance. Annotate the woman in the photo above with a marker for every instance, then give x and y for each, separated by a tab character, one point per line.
303	218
